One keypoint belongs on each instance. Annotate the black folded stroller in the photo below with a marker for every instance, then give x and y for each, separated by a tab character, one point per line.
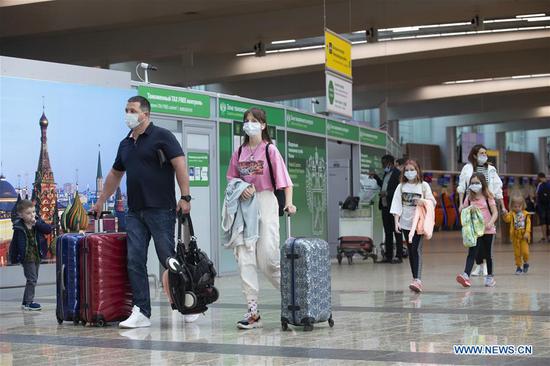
189	281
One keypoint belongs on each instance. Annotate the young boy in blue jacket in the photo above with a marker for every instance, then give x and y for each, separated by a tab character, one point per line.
28	247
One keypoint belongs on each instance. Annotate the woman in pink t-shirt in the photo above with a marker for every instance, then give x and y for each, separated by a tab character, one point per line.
249	163
480	197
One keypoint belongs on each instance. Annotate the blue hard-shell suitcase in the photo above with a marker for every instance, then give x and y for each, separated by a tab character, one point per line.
68	278
305	282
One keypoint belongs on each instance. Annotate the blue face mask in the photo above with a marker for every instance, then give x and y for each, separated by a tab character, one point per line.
387	169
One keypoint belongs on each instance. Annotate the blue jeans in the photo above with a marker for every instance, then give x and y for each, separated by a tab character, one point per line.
140	226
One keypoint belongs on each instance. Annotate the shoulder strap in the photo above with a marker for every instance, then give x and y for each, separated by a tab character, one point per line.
239	154
269	165
424	189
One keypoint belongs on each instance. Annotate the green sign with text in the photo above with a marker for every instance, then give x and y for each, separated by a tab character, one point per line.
372	137
305	122
307	167
198	169
341	130
234	110
176	102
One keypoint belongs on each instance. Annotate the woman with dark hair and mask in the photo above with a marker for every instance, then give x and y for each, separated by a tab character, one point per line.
477	163
250	164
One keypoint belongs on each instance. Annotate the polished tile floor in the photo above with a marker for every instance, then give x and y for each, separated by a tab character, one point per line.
378	321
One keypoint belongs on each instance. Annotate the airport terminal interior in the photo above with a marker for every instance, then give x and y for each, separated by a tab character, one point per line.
385	117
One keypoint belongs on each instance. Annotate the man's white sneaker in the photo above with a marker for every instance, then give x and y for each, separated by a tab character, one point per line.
190	318
484	266
136	320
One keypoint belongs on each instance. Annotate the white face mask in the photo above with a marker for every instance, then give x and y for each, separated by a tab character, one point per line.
475	187
482	159
132	120
252	128
411	174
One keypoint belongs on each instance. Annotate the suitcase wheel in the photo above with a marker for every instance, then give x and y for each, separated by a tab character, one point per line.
284	325
100	323
76	321
59	320
330	322
83	322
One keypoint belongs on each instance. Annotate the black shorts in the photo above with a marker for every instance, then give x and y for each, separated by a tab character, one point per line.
544	215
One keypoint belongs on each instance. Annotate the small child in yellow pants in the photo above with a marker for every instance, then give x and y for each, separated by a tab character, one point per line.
520	232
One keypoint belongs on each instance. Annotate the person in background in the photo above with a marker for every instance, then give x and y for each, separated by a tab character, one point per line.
399	163
480	197
388	184
412	191
520	232
478	163
28	246
542	204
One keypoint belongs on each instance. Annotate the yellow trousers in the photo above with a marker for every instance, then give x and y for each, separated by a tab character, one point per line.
521	250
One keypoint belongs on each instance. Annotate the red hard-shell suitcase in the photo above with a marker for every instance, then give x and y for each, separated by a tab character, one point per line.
105	292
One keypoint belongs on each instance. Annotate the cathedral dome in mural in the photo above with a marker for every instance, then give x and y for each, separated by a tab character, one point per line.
8	195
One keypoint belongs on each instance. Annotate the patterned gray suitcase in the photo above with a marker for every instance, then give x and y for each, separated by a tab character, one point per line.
305	282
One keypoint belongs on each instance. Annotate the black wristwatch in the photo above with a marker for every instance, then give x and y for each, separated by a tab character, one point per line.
186	198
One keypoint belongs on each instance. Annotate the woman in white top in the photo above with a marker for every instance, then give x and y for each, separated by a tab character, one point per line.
477	163
410	193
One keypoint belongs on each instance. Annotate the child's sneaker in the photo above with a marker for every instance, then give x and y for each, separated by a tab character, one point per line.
519	270
464	280
525	267
33	306
476	271
416	286
250	321
490	281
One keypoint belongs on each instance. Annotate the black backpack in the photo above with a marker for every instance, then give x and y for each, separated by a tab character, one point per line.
197	278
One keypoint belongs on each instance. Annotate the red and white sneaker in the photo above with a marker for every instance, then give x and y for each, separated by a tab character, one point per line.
416	286
464	280
251	320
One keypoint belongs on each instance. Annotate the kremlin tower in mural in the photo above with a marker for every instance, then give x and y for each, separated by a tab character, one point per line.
99	176
44	192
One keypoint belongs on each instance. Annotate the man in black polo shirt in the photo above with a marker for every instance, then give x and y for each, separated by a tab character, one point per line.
150	156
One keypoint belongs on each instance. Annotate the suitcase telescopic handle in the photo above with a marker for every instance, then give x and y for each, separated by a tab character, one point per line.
99	219
287	224
63	277
95	215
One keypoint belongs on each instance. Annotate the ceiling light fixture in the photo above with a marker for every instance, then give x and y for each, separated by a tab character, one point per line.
531	15
515	77
539	19
284	41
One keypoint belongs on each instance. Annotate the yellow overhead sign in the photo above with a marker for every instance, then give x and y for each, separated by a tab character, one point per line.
337	53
